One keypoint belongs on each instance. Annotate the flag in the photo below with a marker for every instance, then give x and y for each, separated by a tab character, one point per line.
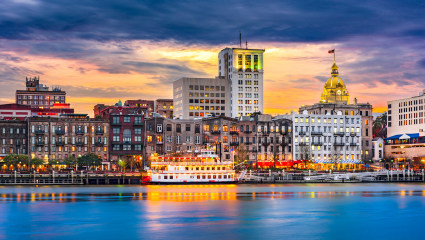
331	51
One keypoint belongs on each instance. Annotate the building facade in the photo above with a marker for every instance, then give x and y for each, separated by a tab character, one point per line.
244	69
327	139
13	137
378	149
164	107
405	144
38	95
201	97
59	138
334	99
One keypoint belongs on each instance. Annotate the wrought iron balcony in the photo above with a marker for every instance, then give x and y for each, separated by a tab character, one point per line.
339	144
234	143
234	132
215	132
302	133
79	132
353	144
316	133
60	132
40	132
339	133
60	143
79	143
99	132
39	143
316	143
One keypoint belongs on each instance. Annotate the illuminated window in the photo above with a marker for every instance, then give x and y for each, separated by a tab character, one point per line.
149	138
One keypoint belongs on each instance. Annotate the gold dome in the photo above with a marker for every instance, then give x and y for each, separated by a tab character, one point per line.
334	90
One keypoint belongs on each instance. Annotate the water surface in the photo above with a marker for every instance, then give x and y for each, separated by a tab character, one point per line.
290	211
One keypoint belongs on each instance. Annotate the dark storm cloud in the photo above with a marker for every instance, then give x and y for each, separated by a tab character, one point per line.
210	22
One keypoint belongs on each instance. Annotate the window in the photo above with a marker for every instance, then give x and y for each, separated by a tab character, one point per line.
115	130
127	119
116	120
159	128
137	131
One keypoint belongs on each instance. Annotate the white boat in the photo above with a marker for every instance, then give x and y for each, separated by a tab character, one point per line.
202	169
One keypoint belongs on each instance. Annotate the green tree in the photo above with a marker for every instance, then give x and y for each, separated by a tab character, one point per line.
88	160
15	159
71	161
36	162
122	164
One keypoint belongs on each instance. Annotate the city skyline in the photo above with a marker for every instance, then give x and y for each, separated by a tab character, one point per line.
97	55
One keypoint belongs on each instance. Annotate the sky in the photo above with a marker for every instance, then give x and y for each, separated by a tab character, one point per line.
105	51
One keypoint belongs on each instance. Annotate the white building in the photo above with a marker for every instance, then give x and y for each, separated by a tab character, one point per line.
377	149
200	97
327	138
406	116
244	68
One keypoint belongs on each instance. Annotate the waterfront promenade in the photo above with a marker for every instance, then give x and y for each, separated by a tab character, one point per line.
114	178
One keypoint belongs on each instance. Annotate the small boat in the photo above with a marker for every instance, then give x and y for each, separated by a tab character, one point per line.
206	168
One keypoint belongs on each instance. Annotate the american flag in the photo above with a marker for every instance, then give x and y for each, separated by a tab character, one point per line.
331	51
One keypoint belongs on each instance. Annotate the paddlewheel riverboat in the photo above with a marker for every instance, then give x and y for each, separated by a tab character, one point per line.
201	169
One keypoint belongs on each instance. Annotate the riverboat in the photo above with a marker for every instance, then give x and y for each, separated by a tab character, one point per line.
205	168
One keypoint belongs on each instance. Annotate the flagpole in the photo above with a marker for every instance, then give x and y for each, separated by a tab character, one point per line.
334	55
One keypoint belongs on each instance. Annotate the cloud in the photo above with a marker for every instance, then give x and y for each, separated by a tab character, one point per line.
209	22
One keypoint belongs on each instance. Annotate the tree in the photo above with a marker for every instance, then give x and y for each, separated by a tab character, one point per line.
37	161
70	161
15	159
88	160
122	164
130	162
241	154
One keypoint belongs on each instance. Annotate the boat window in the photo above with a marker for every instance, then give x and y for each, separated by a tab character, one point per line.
197	169
187	168
214	176
159	177
219	176
165	177
203	176
225	176
209	176
171	177
208	168
202	168
213	168
198	177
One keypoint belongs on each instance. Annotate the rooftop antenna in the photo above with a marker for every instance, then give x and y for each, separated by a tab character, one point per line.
246	44
240	39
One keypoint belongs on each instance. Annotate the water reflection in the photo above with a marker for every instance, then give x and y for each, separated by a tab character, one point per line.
189	193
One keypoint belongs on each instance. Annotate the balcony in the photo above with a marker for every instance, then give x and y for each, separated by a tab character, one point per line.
234	132
215	132
60	143
39	143
99	132
302	133
39	132
79	132
234	143
353	134
159	142
247	132
316	133
316	143
126	142
353	144
60	132
339	133
99	144
303	144
79	143
265	143
265	133
339	144
247	143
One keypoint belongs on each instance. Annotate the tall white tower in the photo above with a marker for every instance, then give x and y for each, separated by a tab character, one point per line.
244	68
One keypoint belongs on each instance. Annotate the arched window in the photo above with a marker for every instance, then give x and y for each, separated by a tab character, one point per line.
127	135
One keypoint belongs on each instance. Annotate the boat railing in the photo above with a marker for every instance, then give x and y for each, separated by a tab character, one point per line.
191	163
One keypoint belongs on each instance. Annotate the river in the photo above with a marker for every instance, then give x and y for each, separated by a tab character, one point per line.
286	211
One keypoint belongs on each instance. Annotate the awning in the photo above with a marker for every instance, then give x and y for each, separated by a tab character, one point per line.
403	136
